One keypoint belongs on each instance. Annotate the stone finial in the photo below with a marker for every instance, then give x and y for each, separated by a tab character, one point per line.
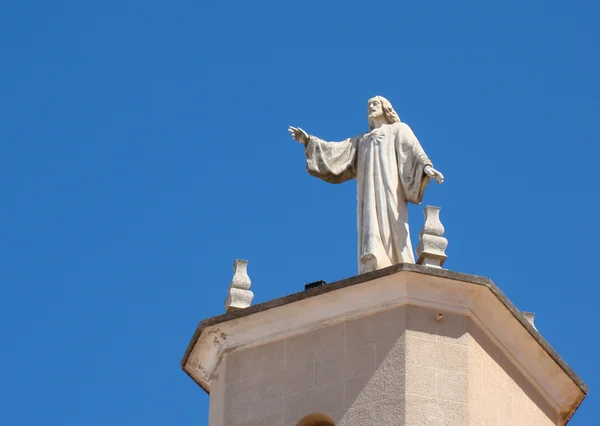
239	296
529	317
432	246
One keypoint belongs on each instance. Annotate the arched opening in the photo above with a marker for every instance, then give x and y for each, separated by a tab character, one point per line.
316	419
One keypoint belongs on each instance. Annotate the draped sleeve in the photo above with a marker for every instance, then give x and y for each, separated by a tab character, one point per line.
411	164
333	162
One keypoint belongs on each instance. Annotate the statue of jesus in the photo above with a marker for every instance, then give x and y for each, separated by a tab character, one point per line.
391	169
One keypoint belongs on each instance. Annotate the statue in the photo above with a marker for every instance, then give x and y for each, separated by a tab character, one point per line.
391	169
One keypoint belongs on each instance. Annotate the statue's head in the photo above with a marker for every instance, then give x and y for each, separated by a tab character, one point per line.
378	107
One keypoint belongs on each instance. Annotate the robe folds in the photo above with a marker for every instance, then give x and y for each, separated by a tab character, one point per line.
388	165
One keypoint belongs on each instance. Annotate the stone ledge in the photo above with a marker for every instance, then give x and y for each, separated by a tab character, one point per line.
347	282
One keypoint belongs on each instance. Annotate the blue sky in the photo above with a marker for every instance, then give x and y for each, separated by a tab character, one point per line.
143	147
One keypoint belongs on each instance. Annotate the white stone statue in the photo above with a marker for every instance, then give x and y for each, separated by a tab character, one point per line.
391	169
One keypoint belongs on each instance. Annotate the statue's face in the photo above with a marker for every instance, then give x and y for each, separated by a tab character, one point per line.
374	108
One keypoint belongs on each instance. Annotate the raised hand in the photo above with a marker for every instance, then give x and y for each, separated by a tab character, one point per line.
299	134
431	172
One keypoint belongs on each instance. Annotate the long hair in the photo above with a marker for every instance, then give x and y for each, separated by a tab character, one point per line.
388	112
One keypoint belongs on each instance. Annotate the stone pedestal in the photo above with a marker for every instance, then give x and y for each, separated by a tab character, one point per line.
405	345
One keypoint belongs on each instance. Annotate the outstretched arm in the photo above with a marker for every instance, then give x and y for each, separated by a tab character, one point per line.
299	134
431	172
332	162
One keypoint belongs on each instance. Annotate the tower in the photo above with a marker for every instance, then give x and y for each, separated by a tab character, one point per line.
404	345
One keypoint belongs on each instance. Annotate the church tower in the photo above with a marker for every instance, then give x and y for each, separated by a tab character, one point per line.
408	344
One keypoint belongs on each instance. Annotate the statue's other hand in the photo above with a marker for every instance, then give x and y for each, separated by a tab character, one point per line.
431	172
299	134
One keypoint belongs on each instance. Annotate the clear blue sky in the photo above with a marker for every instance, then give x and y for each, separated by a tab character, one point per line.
143	147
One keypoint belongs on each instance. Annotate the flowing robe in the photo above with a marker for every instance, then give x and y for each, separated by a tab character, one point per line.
388	165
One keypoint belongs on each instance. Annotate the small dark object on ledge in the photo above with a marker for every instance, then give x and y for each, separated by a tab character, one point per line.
313	285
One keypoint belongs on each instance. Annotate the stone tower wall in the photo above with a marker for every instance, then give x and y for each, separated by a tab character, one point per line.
402	366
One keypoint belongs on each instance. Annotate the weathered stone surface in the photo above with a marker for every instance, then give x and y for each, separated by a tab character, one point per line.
240	296
315	345
529	316
452	386
384	336
285	382
388	156
424	411
497	392
440	371
432	246
263	359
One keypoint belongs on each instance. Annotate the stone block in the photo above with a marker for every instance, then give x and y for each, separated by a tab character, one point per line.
295	407
266	413
358	361
505	410
252	362
389	380
328	399
385	325
421	322
452	386
328	370
420	380
450	356
489	409
421	351
320	343
425	411
453	328
336	416
358	391
388	412
282	383
239	394
390	350
434	354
